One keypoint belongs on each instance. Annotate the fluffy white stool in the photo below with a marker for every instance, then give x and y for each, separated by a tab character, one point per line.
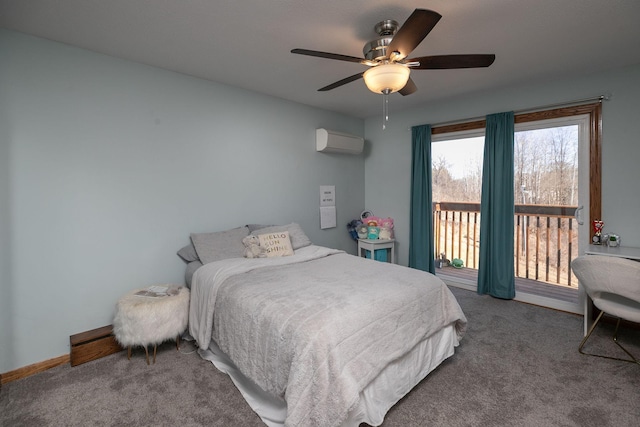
146	320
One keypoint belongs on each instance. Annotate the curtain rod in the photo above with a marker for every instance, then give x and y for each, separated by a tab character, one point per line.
598	98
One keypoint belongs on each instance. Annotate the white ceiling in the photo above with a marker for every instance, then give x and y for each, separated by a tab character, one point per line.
247	43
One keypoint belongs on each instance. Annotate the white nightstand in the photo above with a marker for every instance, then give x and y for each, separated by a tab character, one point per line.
374	245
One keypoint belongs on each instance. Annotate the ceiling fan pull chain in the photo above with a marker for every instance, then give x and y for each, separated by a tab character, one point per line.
385	110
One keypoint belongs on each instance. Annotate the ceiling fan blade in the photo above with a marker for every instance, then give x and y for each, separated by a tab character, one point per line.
327	55
341	82
442	62
409	88
413	31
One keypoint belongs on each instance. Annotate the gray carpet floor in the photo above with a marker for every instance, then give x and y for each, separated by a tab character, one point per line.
518	365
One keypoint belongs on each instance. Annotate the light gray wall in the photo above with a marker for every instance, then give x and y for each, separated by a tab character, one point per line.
108	165
388	165
5	249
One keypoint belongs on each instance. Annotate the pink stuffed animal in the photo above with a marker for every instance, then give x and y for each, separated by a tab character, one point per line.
386	228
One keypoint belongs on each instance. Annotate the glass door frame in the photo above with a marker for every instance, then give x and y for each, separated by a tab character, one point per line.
589	117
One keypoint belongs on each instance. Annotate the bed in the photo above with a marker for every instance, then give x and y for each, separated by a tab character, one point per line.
320	337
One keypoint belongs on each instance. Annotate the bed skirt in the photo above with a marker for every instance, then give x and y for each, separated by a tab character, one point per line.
394	382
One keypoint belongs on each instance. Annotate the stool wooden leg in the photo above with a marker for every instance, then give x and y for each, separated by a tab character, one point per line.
178	343
155	348
129	353
147	353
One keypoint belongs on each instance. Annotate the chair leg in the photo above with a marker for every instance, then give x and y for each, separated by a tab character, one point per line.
615	339
584	340
146	352
155	349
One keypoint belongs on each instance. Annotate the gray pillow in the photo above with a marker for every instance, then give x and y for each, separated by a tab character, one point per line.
220	245
188	273
254	227
297	236
188	254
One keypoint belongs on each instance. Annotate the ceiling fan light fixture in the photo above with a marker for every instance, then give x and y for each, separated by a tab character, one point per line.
386	78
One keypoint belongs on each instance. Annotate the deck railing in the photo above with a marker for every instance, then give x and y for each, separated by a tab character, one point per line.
545	241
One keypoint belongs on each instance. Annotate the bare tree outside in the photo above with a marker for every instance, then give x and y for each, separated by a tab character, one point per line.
457	170
546	166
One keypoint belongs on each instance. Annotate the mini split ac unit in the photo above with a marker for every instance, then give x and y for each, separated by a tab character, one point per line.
330	141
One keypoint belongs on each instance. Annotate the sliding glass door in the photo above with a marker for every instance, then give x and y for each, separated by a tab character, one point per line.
557	196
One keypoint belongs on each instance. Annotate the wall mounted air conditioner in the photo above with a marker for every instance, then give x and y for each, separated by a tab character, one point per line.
330	141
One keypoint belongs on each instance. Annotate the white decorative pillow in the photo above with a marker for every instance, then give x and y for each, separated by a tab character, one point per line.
276	244
297	236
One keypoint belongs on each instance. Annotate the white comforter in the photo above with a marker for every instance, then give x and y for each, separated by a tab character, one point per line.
316	327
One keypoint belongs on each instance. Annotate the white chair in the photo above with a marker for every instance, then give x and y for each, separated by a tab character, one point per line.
614	286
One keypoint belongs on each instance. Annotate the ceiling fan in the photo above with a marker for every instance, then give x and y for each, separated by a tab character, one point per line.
387	56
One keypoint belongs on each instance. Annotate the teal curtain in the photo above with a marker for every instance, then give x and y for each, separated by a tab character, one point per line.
421	252
496	275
